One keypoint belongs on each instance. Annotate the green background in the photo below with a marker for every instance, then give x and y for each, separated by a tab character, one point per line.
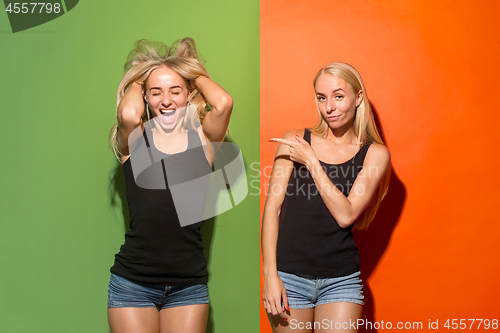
61	217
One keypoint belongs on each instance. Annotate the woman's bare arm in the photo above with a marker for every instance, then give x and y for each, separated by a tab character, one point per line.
129	116
216	121
344	209
274	291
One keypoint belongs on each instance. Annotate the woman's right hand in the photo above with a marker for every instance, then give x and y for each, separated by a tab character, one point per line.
273	294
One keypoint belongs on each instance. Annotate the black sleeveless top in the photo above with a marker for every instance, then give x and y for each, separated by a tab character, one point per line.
310	242
158	250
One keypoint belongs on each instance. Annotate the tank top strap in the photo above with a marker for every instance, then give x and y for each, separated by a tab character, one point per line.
145	136
360	156
307	135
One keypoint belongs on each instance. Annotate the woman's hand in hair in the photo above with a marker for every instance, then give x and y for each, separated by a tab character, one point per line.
300	150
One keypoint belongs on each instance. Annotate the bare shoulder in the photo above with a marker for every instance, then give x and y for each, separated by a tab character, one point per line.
378	153
283	150
291	134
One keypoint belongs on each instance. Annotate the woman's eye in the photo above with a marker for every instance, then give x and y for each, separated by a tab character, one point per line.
339	97
321	98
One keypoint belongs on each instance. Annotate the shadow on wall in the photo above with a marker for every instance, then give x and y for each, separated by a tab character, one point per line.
118	200
373	243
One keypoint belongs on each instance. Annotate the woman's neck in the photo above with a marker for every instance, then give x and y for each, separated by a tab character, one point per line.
171	133
342	135
170	142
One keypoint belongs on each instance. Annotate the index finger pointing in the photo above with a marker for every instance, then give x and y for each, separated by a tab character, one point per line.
283	141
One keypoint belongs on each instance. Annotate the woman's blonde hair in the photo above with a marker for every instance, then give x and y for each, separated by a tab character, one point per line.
364	128
182	57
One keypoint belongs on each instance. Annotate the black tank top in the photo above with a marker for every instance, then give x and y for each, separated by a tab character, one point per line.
158	250
310	242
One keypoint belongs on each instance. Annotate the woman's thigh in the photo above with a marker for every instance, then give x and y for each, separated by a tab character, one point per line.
337	317
133	320
298	320
188	318
138	307
330	317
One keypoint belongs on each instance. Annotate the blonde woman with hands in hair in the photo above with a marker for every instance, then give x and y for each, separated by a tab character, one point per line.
170	107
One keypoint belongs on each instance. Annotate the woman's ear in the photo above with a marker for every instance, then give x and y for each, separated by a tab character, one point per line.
189	93
144	91
359	98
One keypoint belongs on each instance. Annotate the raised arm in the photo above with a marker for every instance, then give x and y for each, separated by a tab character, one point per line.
274	290
344	209
129	116
216	121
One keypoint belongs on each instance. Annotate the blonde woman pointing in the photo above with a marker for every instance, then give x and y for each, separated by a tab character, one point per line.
325	180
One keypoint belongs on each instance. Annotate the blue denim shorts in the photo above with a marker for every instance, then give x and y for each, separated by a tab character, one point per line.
307	292
124	293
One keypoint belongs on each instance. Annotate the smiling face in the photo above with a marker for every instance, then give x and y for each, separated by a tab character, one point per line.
166	92
337	100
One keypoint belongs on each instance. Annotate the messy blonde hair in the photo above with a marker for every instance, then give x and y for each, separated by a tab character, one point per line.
182	57
364	129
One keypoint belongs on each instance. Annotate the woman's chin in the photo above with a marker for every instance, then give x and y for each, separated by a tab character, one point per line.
340	125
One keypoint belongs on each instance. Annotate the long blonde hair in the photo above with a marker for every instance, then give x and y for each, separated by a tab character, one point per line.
182	57
364	129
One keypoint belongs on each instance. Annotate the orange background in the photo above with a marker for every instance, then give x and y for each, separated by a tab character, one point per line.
431	73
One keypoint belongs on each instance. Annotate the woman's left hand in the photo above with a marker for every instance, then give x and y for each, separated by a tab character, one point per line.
300	150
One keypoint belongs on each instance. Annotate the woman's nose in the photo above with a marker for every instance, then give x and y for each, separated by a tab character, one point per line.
330	105
167	100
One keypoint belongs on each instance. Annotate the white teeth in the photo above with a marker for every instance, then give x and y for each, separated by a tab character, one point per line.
167	112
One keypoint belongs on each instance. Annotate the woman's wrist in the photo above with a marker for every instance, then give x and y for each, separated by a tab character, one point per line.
313	164
199	80
134	88
270	273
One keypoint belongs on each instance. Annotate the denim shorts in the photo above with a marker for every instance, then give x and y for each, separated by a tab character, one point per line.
307	292
124	293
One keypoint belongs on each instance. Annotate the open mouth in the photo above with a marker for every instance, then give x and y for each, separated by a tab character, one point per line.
167	112
168	115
